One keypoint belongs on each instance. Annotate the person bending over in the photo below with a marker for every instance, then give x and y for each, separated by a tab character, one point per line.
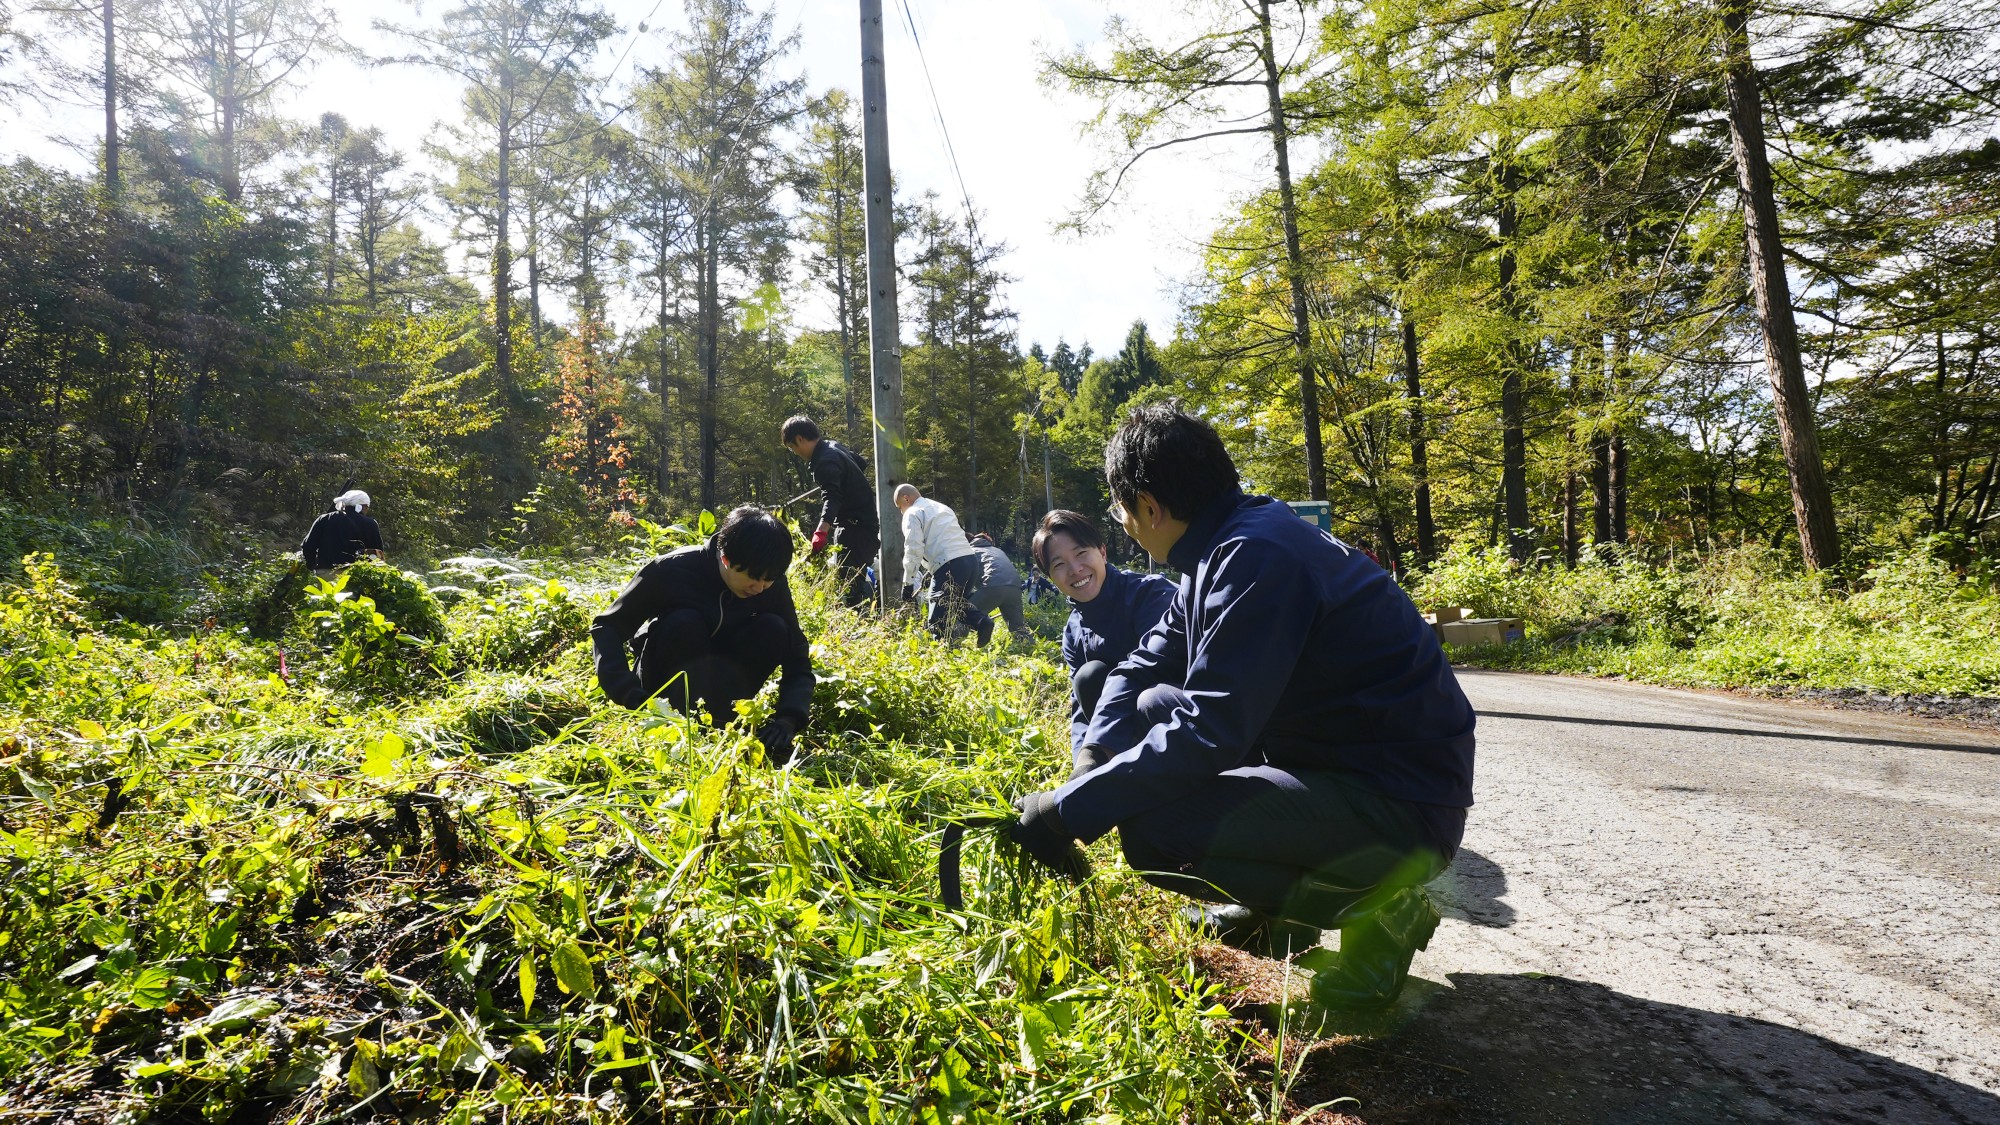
706	625
339	537
847	515
999	590
1289	743
1110	609
934	544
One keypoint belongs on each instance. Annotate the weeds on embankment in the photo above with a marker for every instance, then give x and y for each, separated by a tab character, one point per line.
340	874
1910	624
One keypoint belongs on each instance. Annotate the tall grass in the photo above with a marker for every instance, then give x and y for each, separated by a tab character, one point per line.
1909	624
245	889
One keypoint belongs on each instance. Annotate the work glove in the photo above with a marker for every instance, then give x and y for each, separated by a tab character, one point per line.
626	691
909	591
1041	833
776	736
819	539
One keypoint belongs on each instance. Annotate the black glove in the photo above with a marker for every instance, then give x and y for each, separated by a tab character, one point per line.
909	591
626	691
1041	833
1088	758
777	736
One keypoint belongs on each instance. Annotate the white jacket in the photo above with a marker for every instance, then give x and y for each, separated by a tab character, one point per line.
931	538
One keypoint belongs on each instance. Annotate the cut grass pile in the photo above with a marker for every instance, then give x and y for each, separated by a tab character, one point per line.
439	878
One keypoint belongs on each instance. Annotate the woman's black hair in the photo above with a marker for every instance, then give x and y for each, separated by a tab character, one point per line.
1062	521
1179	459
799	426
756	542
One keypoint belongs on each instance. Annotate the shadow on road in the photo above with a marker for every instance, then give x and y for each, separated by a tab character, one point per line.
1795	736
1554	1051
1473	889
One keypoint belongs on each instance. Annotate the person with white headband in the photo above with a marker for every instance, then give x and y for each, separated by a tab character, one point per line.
342	535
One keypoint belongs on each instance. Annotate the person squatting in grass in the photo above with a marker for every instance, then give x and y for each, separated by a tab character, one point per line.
1289	743
935	544
342	535
999	590
707	625
847	515
1110	609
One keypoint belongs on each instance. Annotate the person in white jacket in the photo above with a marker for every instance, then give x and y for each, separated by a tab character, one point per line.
934	544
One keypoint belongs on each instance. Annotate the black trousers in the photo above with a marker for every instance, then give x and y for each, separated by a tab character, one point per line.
1086	686
951	594
1300	845
854	550
680	660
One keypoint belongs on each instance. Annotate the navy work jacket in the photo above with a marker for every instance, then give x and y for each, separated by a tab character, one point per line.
847	499
1108	628
1297	652
691	578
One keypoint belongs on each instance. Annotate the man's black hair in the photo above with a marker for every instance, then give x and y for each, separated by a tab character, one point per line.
799	426
1164	450
756	542
1062	521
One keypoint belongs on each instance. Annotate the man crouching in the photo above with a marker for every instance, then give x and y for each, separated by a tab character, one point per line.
1288	742
707	625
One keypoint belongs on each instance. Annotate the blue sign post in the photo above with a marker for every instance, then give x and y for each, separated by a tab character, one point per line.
1319	513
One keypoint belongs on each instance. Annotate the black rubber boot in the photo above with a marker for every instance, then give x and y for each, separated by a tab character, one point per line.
1249	931
1375	951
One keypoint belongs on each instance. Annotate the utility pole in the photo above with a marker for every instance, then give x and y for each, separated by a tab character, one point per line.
884	334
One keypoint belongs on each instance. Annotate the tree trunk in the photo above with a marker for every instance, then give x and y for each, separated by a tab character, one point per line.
111	183
1812	503
503	265
1420	460
1619	533
232	184
1295	265
711	368
1513	388
844	309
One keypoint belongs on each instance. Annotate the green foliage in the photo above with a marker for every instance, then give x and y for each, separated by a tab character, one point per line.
519	627
367	647
1745	618
233	897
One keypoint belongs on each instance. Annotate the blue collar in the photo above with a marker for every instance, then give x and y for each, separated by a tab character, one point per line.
1194	544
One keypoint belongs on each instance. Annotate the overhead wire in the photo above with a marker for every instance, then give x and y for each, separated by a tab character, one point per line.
944	130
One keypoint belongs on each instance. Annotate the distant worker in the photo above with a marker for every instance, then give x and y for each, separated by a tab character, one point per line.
342	535
1289	743
847	515
1110	610
999	590
934	545
708	624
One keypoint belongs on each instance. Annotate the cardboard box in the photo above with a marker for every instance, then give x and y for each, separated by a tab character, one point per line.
1442	617
1470	632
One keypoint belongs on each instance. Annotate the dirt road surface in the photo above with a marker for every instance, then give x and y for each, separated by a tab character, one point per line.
1686	907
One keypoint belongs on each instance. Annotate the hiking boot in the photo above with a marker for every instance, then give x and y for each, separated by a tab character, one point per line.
1249	931
1375	951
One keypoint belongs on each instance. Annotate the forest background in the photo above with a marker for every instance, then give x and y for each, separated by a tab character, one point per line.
1507	279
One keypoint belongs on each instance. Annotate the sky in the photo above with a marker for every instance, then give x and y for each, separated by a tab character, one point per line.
1023	162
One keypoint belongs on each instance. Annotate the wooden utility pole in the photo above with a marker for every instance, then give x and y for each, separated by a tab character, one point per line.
111	184
885	356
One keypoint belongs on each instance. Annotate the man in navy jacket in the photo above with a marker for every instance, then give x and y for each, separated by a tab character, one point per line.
847	515
708	625
1289	741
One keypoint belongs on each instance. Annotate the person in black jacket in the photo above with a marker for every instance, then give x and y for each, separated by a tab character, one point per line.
1289	743
847	512
1110	609
708	625
342	535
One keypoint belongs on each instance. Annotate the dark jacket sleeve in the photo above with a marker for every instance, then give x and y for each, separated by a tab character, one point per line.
611	633
829	471
1155	595
1072	658
369	533
1253	632
315	541
795	673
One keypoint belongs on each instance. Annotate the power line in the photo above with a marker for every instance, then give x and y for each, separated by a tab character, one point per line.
937	112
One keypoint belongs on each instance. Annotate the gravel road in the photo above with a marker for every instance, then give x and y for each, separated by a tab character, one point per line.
1683	907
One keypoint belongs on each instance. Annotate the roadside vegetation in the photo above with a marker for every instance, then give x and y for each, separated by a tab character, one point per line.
318	851
1911	623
